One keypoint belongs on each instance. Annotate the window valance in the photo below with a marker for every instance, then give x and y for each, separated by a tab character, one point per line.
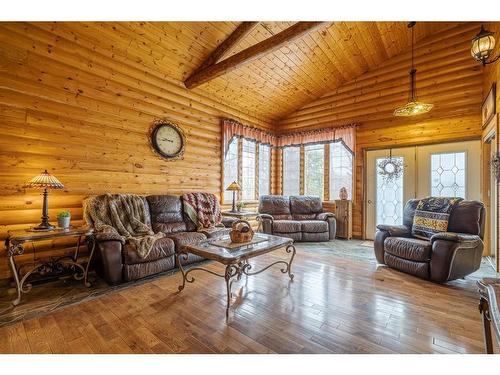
232	128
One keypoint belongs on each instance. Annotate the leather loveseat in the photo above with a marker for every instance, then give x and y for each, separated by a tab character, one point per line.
445	256
298	217
117	263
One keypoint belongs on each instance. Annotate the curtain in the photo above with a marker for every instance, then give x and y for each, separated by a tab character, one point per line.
345	134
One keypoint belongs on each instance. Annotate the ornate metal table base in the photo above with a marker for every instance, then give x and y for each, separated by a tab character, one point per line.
233	271
54	266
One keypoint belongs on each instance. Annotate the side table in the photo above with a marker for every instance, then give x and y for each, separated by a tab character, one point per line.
489	290
242	215
14	244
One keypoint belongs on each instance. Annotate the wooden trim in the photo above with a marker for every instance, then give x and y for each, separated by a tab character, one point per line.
302	170
252	53
257	172
240	168
326	173
227	45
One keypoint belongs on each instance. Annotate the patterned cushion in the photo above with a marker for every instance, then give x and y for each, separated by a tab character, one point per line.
432	215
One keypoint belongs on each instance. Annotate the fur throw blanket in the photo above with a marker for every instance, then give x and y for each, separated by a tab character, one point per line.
203	209
122	217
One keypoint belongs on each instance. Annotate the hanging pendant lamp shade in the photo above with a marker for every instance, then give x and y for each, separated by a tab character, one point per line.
413	107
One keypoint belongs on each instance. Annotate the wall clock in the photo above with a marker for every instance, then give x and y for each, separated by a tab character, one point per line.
168	140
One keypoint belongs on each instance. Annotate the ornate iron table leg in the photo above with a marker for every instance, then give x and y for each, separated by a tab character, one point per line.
290	248
87	267
179	264
13	266
485	314
231	271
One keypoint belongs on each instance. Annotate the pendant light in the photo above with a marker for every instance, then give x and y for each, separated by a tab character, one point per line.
413	107
482	47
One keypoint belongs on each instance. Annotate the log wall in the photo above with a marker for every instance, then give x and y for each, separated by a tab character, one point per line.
447	77
83	113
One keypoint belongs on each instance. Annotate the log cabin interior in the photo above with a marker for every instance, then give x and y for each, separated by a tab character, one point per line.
249	187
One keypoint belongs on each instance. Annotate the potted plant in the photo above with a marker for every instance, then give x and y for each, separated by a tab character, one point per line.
63	219
239	206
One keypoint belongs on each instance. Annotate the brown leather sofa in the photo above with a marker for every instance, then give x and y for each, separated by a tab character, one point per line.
298	217
445	256
116	263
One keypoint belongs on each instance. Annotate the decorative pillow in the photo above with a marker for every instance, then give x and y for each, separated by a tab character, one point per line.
432	215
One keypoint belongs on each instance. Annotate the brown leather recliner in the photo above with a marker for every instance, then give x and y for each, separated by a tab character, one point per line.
445	256
298	217
117	263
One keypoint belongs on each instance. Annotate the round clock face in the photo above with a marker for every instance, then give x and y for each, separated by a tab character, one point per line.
168	140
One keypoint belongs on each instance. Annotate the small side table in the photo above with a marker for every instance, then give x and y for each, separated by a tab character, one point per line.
242	215
489	289
14	244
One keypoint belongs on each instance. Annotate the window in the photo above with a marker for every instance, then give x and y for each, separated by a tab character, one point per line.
314	158
291	170
240	164
340	170
264	169
230	168
448	175
389	205
248	170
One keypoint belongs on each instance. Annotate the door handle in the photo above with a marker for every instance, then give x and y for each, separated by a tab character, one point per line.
369	201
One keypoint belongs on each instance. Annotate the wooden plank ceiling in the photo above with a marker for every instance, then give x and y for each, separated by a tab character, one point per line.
274	85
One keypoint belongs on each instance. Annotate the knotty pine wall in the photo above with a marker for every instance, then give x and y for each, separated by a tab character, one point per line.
83	113
447	77
491	75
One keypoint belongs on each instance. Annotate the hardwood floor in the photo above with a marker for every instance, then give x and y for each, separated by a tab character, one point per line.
336	304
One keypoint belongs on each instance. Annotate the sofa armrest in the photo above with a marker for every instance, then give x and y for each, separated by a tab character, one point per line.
265	217
395	230
465	239
267	223
454	255
110	261
324	216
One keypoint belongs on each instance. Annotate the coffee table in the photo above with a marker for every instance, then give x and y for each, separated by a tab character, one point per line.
235	257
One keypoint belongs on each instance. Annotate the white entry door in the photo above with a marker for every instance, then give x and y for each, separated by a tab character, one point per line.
451	169
385	200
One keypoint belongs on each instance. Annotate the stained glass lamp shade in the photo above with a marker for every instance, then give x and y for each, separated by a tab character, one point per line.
44	181
234	187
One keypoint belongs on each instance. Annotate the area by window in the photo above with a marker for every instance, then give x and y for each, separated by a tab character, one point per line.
264	169
314	171
248	163
230	168
341	165
248	170
310	177
291	170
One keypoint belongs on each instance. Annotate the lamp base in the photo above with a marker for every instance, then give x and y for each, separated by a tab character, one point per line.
43	227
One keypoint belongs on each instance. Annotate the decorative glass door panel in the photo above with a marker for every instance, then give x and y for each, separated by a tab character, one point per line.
389	204
385	200
448	175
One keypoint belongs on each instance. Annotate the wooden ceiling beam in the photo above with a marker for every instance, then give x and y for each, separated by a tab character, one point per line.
251	53
228	44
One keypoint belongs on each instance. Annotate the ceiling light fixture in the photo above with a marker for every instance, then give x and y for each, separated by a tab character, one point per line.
413	107
482	46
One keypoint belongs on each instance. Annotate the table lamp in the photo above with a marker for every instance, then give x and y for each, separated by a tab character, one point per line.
234	187
44	181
